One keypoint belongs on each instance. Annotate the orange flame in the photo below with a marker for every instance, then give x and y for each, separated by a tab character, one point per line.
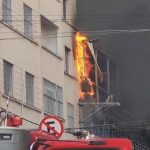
83	64
80	56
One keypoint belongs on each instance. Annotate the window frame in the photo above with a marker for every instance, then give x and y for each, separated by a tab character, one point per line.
70	116
65	10
59	101
8	90
7	11
52	101
67	60
31	91
49	32
28	25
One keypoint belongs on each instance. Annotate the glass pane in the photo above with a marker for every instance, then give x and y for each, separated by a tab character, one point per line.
27	20
64	9
6	3
47	104
60	109
70	122
70	115
53	106
59	94
29	88
70	110
49	89
67	53
6	11
49	35
8	78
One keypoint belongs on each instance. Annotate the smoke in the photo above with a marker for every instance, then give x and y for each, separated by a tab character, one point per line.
131	51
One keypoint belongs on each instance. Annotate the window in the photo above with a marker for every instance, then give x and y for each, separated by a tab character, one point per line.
6	11
8	83
67	60
29	89
65	9
53	99
49	35
70	116
59	98
27	21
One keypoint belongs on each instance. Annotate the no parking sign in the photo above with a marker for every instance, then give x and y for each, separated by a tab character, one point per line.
53	125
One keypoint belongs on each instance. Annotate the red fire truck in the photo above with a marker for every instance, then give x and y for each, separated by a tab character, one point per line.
47	138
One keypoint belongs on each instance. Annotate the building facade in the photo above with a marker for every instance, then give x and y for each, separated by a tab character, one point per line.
37	69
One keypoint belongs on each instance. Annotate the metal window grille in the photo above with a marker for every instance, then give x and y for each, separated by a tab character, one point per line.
27	21
29	89
8	83
6	11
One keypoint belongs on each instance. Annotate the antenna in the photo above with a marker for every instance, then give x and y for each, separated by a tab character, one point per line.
7	105
23	95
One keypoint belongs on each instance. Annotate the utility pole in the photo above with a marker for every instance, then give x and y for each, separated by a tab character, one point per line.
96	78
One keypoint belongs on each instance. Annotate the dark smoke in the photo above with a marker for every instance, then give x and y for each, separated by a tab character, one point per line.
131	51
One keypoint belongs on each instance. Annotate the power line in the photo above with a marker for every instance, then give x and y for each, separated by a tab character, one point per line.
128	24
87	19
105	32
86	14
34	22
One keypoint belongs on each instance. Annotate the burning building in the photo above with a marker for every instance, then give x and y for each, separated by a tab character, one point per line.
84	66
85	62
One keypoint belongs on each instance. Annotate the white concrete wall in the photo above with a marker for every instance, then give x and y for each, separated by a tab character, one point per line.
28	55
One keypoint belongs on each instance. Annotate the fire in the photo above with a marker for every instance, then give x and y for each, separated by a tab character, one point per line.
84	66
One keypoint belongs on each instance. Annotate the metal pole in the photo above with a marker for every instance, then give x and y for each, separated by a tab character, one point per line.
117	82
108	76
96	79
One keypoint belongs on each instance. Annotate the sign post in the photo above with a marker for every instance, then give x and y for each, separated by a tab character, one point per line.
53	125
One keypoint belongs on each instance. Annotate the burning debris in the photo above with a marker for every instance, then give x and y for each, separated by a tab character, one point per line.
84	66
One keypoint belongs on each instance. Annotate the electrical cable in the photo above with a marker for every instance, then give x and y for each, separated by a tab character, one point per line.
99	33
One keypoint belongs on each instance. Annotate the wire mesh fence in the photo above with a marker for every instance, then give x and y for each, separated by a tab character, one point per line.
110	120
140	142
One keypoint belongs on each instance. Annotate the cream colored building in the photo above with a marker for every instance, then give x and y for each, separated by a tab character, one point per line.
37	68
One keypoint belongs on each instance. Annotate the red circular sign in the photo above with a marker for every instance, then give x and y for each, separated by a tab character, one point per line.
53	125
